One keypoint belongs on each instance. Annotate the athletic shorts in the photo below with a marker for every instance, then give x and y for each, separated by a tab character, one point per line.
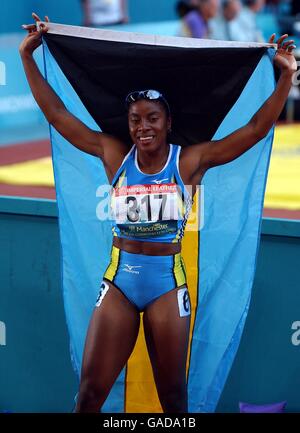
143	278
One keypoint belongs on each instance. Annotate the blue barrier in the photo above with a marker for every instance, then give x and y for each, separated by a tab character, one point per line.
266	368
35	368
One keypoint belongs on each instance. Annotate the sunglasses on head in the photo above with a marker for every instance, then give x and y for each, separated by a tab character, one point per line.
143	94
150	95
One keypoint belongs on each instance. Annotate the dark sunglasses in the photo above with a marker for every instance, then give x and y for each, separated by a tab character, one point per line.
142	94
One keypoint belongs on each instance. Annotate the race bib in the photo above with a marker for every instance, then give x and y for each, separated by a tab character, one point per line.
146	204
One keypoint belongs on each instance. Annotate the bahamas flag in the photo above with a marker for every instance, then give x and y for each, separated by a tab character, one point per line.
213	88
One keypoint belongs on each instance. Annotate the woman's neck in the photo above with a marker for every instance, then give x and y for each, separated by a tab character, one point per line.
154	161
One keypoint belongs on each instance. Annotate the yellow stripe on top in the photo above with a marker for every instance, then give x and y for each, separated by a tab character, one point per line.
114	263
119	181
141	394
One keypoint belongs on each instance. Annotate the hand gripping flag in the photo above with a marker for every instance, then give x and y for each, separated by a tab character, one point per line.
213	88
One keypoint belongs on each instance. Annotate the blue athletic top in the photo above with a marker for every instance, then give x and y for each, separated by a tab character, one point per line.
150	207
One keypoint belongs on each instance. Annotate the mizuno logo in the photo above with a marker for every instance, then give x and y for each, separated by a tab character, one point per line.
158	182
130	268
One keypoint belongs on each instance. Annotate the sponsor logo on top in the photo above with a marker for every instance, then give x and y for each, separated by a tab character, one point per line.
159	181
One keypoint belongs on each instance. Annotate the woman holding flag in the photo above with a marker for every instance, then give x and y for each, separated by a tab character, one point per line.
146	272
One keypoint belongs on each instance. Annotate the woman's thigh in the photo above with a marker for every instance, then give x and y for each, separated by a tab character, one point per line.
167	326
111	337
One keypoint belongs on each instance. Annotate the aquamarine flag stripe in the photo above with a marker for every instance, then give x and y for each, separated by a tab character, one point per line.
229	241
85	240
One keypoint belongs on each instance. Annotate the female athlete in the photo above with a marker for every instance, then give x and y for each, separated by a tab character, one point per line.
146	272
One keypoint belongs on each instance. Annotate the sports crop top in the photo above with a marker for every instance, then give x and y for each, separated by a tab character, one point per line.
149	207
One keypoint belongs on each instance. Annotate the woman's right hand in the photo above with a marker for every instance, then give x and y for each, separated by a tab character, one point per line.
34	37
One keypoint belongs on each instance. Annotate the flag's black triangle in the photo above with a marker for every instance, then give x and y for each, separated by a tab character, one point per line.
200	84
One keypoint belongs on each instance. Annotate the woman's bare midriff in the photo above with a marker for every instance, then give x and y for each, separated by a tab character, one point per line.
147	248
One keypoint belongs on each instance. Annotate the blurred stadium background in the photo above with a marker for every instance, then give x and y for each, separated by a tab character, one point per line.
25	153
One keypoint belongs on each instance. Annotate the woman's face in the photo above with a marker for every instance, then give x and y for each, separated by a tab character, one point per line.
148	124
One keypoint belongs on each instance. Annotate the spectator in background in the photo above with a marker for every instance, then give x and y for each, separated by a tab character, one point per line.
220	26
289	22
183	7
295	10
295	7
272	6
104	12
244	27
195	22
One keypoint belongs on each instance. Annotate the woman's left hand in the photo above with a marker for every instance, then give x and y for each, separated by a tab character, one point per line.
284	58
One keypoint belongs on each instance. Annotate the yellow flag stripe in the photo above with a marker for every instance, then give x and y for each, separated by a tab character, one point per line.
190	254
140	390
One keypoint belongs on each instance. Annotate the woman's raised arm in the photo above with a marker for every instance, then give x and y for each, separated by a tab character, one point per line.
202	156
76	132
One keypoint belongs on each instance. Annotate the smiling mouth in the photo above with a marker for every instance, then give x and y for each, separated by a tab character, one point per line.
146	139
